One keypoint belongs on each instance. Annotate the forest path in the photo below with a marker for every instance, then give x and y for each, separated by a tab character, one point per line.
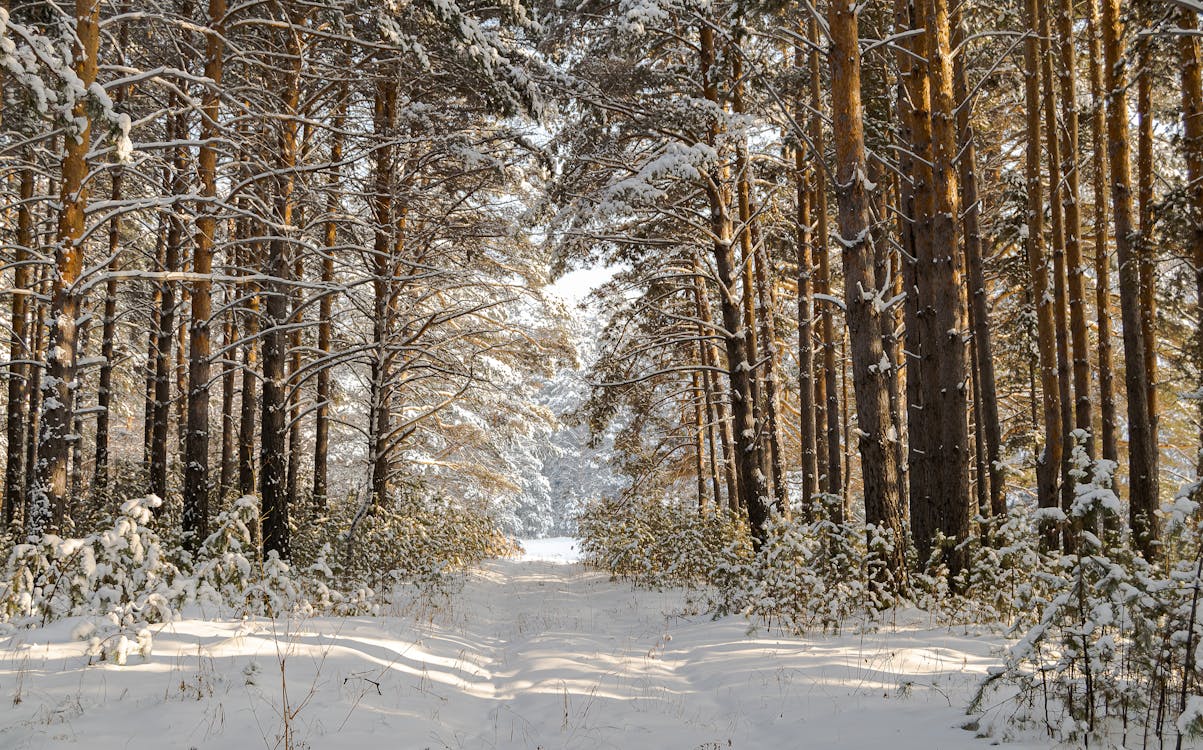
525	654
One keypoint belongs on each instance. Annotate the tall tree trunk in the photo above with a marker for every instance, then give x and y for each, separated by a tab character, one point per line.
49	496
1192	148
273	433
878	467
247	483
753	311
104	391
1145	238
19	371
1070	197
321	441
196	441
721	418
1049	463
922	333
751	482
229	439
946	272
174	179
1142	444
827	397
1102	255
1057	225
803	180
989	426
34	391
383	265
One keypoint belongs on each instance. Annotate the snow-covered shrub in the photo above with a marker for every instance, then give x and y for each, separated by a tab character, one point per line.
119	578
813	575
410	540
654	543
1007	574
1098	660
227	564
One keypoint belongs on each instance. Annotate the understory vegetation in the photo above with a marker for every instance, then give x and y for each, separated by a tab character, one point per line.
126	575
1105	646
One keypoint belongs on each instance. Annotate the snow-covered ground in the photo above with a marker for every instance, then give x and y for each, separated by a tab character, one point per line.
531	653
560	549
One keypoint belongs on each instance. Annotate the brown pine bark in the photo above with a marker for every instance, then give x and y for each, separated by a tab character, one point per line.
321	442
923	470
1142	446
1057	226
384	119
273	433
1102	255
720	416
104	391
165	341
985	393
1049	463
247	481
803	181
19	354
49	496
1192	148
945	273
196	441
1071	201
827	395
751	482
229	428
1145	238
878	467
34	391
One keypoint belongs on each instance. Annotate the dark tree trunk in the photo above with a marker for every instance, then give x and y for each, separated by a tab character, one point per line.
878	467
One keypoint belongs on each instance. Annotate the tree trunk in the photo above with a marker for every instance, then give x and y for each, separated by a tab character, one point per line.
989	426
1102	255
273	433
1145	238
49	496
321	441
1049	463
19	371
1070	197
247	483
1142	444
803	180
174	179
196	441
946	273
827	397
385	117
1192	148
751	482
878	467
721	420
229	439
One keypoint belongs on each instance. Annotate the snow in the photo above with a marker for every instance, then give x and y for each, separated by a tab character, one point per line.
527	653
560	549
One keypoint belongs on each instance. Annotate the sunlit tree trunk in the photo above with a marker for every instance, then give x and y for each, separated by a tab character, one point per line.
1142	445
49	495
1102	253
1049	463
19	371
878	467
196	441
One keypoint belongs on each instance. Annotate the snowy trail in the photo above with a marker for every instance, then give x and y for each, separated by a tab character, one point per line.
530	654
